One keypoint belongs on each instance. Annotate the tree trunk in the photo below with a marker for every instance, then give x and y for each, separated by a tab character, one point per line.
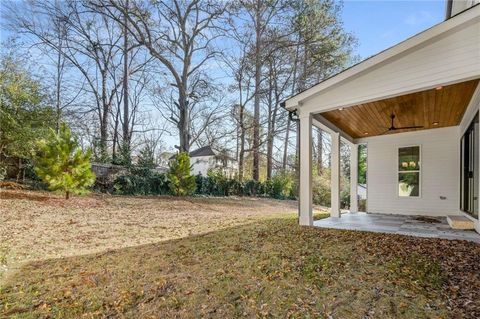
67	195
303	78
58	103
104	119
269	157
115	133
237	139
58	87
270	126
184	123
19	168
126	133
241	153
256	112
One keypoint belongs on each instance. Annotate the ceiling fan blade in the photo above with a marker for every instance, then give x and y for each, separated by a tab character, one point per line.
393	128
390	130
408	127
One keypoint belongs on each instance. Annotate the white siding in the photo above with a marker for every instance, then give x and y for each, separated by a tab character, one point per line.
440	173
462	5
201	164
452	57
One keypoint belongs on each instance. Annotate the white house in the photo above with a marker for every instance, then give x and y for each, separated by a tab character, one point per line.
415	106
205	158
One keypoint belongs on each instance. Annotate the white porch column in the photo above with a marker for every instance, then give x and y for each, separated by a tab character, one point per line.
353	178
305	207
335	178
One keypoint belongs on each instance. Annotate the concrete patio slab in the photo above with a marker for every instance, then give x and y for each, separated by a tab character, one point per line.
398	224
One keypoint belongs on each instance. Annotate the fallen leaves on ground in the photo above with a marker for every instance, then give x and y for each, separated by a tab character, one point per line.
264	268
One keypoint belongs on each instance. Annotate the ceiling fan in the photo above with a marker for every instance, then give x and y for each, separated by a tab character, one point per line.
394	128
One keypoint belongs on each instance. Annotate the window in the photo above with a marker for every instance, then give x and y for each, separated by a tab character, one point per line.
409	171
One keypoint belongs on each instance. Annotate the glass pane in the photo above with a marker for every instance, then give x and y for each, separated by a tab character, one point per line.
409	158
409	184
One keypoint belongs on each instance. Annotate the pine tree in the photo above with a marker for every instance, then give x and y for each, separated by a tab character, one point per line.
146	157
181	181
63	165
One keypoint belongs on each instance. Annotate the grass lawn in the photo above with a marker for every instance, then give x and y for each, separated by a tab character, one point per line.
164	257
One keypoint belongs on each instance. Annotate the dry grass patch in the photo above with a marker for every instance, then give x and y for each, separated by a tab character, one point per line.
41	225
270	268
218	258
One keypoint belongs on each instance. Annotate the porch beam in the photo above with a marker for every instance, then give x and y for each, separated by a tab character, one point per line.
305	196
335	175
354	178
325	125
471	110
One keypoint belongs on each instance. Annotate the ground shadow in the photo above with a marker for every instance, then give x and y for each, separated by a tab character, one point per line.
267	268
23	195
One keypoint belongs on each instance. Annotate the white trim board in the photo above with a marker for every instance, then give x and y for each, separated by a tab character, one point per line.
471	110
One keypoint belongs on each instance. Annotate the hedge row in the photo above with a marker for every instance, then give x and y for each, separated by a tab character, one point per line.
148	182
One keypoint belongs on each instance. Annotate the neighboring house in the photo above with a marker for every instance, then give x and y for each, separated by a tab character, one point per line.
205	158
415	106
163	160
362	191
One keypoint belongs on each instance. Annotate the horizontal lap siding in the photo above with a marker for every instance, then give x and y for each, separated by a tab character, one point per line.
459	6
200	165
440	173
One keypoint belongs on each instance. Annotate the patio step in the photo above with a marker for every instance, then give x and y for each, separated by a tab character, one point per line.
460	222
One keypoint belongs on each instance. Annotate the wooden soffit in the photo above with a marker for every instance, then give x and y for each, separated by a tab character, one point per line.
435	108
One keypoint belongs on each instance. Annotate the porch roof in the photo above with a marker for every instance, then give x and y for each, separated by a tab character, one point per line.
433	108
446	54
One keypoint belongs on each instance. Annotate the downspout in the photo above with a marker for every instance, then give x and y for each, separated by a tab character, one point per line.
293	115
448	11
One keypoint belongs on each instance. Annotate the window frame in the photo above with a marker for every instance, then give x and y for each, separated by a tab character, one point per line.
419	171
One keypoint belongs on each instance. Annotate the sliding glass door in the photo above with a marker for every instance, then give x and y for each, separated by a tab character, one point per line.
469	169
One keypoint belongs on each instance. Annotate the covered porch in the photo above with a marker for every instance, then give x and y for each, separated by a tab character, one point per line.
416	108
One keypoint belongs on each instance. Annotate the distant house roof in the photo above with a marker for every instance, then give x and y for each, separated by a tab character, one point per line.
203	151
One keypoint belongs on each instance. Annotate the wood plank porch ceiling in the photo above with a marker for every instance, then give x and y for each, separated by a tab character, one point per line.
433	108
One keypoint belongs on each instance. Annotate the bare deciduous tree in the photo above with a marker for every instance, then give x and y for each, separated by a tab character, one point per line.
180	36
90	44
260	14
